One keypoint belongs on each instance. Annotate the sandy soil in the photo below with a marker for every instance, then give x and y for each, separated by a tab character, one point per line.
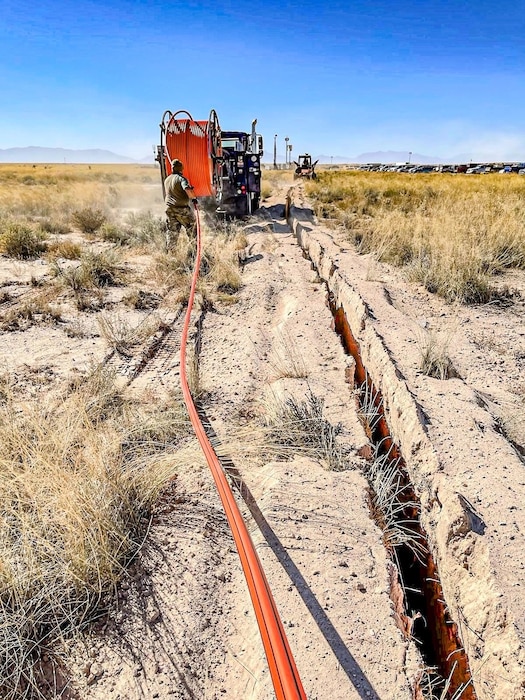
183	626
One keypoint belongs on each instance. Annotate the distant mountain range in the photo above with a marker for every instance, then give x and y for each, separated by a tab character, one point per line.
39	154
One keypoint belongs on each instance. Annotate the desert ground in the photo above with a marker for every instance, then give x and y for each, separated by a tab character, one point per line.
281	396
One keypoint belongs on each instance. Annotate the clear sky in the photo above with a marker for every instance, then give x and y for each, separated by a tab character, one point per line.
340	78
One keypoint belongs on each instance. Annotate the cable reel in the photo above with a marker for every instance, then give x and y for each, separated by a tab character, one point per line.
198	145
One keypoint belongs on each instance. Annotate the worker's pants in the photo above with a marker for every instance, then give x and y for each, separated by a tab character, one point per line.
177	217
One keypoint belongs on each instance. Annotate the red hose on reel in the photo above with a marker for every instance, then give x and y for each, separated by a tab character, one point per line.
198	145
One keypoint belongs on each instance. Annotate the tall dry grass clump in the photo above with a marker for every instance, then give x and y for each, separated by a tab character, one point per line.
299	426
451	233
94	272
18	240
221	271
77	482
123	336
220	274
140	230
88	219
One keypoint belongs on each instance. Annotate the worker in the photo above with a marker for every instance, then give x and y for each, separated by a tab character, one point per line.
179	194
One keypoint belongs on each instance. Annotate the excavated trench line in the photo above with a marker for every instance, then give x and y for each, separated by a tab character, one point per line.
426	617
437	633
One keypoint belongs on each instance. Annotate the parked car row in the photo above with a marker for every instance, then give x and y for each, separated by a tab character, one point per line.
471	169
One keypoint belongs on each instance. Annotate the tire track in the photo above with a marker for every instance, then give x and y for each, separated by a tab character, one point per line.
155	364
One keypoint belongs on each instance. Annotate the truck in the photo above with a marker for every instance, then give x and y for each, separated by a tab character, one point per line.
224	167
240	163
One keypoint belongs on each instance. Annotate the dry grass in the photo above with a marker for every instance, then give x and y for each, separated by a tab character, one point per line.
30	312
287	426
273	180
451	233
88	220
79	474
144	229
435	361
122	336
86	280
220	275
393	507
301	427
66	249
432	686
53	192
56	225
19	240
287	360
77	481
140	230
140	299
220	263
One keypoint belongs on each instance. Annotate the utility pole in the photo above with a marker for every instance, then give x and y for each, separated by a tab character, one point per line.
286	138
275	152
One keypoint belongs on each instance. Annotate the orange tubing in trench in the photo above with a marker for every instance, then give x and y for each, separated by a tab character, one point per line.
285	677
193	142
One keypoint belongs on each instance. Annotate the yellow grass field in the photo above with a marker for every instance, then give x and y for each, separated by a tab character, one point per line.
55	190
452	233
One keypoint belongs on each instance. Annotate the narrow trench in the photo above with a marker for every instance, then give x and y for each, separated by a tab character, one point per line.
425	617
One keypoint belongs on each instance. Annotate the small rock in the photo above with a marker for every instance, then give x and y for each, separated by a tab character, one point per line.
96	670
153	617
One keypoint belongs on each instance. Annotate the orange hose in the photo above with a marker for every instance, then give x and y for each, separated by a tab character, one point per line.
190	142
285	677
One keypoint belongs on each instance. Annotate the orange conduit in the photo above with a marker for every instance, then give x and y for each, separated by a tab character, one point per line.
285	677
191	142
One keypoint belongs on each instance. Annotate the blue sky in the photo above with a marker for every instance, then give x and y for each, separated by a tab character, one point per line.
337	78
